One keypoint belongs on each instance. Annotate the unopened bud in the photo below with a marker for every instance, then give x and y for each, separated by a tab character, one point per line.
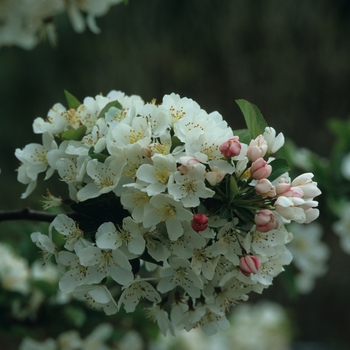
249	264
231	147
265	188
260	169
266	221
257	148
199	222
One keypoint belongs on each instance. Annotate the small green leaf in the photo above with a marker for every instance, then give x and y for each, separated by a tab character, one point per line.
99	156
175	142
72	101
256	123
75	135
233	187
279	167
106	108
243	134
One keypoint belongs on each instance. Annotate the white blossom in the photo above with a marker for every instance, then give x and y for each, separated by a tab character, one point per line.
135	291
180	274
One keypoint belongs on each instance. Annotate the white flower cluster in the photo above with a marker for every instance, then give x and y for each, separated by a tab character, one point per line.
173	207
25	22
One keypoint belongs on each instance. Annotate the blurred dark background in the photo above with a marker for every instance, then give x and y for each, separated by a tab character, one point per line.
290	57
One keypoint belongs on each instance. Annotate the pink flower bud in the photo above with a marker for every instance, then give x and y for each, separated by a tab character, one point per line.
199	222
249	264
264	187
266	221
260	169
257	148
285	189
231	147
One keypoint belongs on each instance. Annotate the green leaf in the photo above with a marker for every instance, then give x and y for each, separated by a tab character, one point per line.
175	142
109	105
99	156
243	134
72	101
233	187
75	135
256	123
279	167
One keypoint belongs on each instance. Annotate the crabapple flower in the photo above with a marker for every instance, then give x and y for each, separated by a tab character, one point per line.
105	177
157	175
74	237
76	274
271	266
135	291
190	187
274	142
103	262
297	209
136	201
180	274
167	210
45	243
34	161
130	234
306	185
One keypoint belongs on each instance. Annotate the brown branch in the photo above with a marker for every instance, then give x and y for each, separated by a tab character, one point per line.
30	215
